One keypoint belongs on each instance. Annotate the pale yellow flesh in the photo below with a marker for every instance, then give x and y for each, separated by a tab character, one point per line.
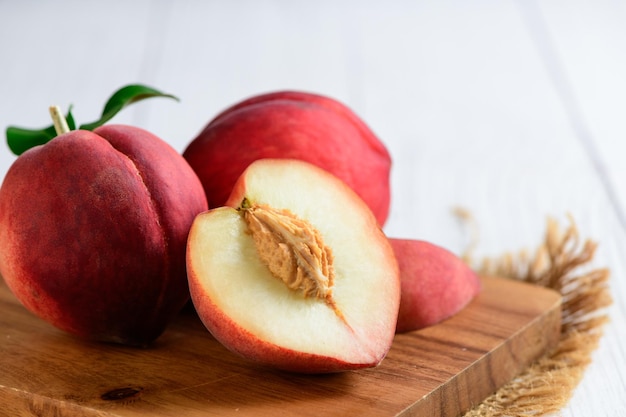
226	262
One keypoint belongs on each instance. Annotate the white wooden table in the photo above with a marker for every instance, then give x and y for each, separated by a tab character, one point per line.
515	110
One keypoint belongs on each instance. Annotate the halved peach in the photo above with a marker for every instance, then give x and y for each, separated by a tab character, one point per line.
294	272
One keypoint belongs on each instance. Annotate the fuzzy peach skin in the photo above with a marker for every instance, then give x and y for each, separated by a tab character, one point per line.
93	230
435	284
292	125
255	315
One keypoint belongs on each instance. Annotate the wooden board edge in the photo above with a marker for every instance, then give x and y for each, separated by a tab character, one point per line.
542	335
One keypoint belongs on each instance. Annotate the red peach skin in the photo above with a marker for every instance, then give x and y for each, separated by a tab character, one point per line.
435	284
292	125
93	230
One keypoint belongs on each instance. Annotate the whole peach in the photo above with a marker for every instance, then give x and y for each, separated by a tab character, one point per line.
93	230
292	125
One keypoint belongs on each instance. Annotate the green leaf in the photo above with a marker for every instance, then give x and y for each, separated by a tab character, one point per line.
122	98
20	139
70	119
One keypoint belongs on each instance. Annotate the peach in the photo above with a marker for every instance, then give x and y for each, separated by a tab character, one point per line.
294	271
93	232
435	284
292	125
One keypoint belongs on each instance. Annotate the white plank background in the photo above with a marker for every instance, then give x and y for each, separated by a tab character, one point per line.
515	110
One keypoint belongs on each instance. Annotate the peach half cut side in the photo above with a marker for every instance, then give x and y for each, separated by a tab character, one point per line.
294	272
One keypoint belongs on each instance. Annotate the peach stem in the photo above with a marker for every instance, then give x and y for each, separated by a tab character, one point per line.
59	121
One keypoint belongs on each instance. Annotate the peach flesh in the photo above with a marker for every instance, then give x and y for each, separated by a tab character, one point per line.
256	315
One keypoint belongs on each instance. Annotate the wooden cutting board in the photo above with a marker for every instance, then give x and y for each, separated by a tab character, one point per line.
440	371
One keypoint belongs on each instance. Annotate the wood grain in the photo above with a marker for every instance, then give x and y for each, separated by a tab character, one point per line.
442	370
